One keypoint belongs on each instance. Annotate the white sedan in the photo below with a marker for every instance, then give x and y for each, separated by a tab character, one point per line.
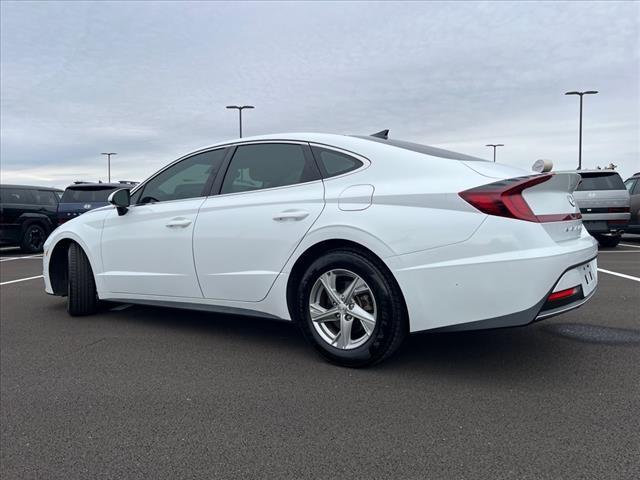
359	240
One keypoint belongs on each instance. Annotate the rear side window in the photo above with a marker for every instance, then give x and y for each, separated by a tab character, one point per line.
87	194
45	197
256	167
334	163
600	181
15	196
629	184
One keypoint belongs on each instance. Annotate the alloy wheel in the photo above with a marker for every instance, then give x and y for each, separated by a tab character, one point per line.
342	309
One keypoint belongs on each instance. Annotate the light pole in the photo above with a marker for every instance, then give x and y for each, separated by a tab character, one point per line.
108	154
581	94
494	145
240	108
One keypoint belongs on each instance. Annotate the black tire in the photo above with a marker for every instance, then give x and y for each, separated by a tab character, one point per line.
82	298
33	238
391	320
608	241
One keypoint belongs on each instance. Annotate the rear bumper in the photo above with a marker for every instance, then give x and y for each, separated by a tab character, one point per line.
542	310
491	280
616	226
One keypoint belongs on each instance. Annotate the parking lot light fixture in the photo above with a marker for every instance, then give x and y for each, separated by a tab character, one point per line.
108	154
581	94
240	108
494	145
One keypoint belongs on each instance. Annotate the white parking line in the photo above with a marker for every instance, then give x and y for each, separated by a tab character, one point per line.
8	259
628	277
628	245
20	280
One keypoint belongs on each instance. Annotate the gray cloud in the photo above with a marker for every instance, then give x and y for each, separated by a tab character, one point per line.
150	80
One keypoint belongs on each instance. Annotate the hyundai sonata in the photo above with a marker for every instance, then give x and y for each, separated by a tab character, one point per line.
359	240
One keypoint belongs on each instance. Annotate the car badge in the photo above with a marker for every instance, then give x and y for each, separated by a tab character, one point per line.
87	206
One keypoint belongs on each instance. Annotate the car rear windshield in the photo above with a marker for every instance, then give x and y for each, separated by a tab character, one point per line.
87	194
600	181
425	149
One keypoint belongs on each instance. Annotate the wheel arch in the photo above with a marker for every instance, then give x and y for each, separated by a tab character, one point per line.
312	252
28	219
58	267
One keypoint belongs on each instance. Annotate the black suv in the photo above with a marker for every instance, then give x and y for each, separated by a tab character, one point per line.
27	215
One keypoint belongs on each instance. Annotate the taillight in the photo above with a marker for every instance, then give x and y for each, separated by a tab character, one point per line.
569	292
504	199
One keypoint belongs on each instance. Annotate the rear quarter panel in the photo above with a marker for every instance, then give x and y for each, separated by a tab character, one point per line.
414	206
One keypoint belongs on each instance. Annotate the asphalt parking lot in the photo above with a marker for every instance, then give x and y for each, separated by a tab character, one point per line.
140	392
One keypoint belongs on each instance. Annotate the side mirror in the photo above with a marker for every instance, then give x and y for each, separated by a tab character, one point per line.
121	199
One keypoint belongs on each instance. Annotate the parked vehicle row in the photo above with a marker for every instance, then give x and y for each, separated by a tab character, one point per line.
604	204
633	187
360	240
82	197
28	214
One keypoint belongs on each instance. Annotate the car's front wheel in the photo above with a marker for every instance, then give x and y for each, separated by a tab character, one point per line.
351	309
608	241
82	298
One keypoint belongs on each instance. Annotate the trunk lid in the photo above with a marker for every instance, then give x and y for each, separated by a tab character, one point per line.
551	201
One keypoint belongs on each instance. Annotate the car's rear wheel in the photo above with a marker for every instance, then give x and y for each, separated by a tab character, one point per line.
351	309
608	241
33	238
82	298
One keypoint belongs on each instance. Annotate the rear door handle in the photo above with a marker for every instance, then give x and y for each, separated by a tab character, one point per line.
179	222
294	215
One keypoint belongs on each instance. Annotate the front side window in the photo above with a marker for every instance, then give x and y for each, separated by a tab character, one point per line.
45	197
334	163
185	179
256	167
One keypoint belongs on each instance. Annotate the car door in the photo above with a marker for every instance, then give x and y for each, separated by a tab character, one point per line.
48	205
270	196
148	250
16	202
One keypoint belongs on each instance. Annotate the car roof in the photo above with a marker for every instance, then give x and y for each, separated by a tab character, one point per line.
88	185
31	187
360	144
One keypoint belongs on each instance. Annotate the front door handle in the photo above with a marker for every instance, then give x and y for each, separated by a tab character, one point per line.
294	215
179	222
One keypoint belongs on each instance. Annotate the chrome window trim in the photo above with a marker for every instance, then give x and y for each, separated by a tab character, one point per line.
366	163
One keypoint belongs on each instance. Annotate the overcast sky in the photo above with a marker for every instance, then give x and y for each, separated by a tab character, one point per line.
150	80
